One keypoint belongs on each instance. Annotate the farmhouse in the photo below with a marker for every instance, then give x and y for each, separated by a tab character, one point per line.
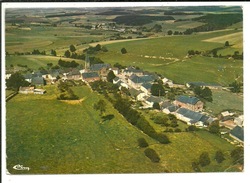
202	84
90	76
26	90
38	81
238	134
192	117
74	74
188	102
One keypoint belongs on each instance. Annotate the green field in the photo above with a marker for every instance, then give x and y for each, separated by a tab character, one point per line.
167	56
36	61
224	100
56	137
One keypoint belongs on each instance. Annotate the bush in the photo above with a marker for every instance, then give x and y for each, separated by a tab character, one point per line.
177	130
219	156
204	159
152	155
142	142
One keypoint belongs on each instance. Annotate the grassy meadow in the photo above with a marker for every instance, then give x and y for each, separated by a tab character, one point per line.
54	137
167	56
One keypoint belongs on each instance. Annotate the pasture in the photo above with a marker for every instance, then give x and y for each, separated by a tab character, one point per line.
167	56
36	61
54	137
224	100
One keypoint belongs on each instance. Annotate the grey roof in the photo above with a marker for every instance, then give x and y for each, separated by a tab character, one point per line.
141	79
203	84
74	72
132	69
28	76
187	99
154	99
90	75
238	132
173	108
37	81
37	74
194	116
54	73
165	104
116	79
133	92
97	67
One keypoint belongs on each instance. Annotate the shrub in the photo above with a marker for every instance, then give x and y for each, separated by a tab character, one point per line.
152	155
204	159
142	142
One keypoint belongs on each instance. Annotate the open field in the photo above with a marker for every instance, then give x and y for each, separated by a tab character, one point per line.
167	56
71	138
36	61
224	100
78	141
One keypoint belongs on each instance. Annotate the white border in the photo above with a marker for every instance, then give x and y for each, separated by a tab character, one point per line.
225	177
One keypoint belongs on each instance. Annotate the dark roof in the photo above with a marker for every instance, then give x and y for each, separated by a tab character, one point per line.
154	99
116	79
133	92
37	81
173	108
203	84
238	132
141	79
194	116
97	67
74	72
187	99
90	75
132	69
28	76
37	74
165	104
54	73
43	72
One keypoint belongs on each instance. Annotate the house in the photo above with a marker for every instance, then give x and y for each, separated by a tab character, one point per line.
116	80
146	88
239	120
90	76
203	84
192	103
136	81
192	117
98	67
134	93
74	74
26	90
237	133
168	108
151	100
39	91
131	70
53	75
38	81
168	81
28	77
115	70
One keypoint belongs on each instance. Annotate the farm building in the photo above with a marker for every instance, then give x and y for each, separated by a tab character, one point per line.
203	84
192	103
137	81
26	90
90	76
192	117
39	91
152	99
74	74
168	108
38	81
98	67
146	88
237	133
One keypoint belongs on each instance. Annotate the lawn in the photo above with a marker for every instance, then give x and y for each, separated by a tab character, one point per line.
224	100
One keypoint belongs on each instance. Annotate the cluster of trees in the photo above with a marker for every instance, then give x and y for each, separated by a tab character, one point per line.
123	51
53	52
203	93
110	76
214	127
15	81
94	50
214	22
136	119
168	120
119	66
37	52
138	20
66	93
71	64
152	155
156	28
104	87
157	89
100	106
235	86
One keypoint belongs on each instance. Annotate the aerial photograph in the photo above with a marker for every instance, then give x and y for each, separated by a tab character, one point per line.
124	90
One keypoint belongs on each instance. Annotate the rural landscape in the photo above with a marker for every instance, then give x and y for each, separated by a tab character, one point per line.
124	90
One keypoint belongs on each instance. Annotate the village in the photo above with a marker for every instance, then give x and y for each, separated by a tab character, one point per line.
187	107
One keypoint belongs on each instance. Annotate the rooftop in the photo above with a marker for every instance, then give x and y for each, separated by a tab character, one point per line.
187	99
238	132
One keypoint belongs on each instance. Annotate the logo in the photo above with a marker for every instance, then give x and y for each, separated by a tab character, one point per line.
20	167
